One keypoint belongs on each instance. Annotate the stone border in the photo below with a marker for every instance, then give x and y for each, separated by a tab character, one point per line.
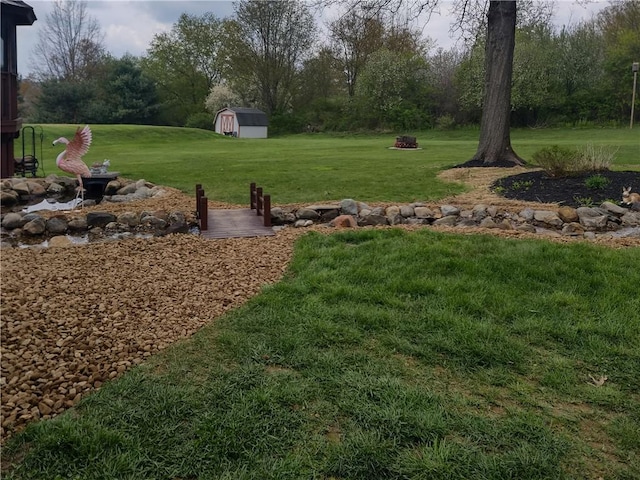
586	222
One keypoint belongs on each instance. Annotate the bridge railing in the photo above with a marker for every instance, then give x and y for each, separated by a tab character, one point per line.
261	203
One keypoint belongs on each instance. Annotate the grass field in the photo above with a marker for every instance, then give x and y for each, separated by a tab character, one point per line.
383	355
309	168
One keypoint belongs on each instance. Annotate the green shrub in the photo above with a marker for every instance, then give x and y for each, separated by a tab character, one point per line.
595	159
445	122
556	161
597	182
201	120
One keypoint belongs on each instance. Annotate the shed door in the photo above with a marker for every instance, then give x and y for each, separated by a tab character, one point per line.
226	122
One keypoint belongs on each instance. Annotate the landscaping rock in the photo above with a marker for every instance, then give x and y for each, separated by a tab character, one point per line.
78	224
449	210
36	189
13	220
59	241
423	212
591	218
372	220
547	217
99	219
131	219
344	221
572	229
349	207
631	219
407	211
56	225
613	208
488	222
303	223
449	220
307	214
37	226
568	214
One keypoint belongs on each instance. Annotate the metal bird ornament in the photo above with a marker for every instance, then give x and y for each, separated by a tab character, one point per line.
70	160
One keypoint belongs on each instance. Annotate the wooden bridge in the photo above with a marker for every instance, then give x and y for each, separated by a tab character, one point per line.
254	221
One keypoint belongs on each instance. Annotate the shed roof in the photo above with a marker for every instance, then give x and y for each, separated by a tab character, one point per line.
249	117
23	14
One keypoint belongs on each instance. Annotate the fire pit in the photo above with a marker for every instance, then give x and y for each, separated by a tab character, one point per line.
406	141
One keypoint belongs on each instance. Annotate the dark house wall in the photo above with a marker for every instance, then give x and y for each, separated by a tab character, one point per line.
13	13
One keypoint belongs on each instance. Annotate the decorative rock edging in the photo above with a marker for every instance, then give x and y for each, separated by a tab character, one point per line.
59	228
609	218
19	227
15	191
62	228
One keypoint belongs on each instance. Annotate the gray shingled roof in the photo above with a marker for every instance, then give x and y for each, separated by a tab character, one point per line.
250	117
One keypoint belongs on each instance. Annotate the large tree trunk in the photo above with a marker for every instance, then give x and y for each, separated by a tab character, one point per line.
494	148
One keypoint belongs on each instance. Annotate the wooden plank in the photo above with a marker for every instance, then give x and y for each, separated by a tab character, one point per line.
235	223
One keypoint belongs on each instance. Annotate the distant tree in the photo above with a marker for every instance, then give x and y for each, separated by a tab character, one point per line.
620	27
265	45
494	146
130	95
355	36
65	102
393	90
221	96
443	65
28	94
185	64
579	76
70	45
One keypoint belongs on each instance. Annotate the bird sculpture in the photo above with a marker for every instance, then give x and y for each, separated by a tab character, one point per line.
70	160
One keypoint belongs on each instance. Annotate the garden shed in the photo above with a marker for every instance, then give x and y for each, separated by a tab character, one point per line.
241	122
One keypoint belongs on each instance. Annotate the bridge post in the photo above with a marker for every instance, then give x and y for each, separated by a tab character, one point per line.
199	193
266	210
204	214
252	195
258	200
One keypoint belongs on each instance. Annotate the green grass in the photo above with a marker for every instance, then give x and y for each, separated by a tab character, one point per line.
383	354
308	168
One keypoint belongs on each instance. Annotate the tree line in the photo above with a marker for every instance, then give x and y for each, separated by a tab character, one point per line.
372	70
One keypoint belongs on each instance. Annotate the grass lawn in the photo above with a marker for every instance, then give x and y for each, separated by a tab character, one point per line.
383	354
308	168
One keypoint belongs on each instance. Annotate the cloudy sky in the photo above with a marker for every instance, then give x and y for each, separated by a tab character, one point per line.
129	25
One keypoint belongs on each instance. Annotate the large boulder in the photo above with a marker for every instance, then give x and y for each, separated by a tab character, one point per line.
37	226
349	207
100	219
13	220
591	218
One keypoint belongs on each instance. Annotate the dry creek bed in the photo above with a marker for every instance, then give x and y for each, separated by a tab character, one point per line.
73	318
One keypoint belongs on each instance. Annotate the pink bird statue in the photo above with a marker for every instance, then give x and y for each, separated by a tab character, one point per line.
70	160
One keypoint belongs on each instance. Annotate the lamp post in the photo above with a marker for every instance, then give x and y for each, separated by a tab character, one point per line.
634	68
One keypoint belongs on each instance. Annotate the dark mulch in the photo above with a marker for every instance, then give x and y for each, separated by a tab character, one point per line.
573	191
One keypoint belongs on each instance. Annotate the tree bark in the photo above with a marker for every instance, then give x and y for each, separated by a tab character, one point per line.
494	147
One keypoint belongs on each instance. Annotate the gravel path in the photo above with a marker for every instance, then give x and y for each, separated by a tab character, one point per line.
73	318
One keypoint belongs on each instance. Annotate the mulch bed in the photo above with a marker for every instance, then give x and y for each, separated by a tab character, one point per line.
573	191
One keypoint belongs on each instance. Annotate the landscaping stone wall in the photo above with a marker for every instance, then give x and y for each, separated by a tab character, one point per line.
607	219
19	227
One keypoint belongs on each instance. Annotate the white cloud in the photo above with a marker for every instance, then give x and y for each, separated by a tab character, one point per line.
129	26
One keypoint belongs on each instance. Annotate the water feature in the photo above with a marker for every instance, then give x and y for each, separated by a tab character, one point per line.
53	205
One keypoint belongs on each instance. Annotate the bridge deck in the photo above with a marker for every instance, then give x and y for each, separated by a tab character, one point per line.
235	223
